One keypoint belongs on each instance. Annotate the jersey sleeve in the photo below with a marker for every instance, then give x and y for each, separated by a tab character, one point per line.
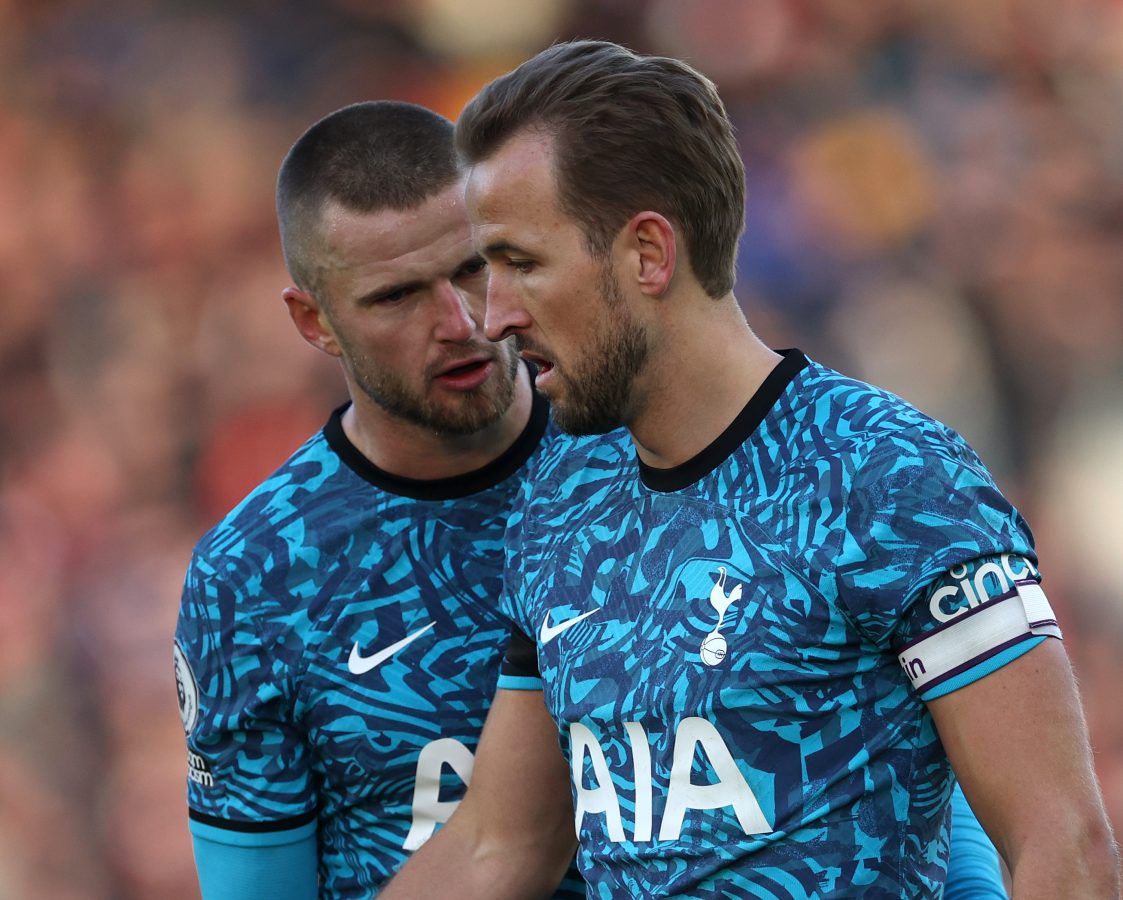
976	618
248	768
921	503
973	869
285	868
937	565
519	670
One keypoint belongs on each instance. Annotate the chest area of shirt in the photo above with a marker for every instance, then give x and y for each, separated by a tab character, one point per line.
401	629
682	601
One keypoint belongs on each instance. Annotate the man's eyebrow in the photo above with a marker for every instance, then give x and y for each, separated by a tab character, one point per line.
387	290
469	259
502	246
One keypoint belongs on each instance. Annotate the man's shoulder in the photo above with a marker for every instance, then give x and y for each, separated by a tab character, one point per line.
288	494
563	457
837	411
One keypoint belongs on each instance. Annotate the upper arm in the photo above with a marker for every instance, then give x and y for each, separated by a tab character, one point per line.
519	792
1019	746
249	781
512	835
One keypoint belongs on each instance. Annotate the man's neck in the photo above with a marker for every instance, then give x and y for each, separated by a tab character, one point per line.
704	370
412	451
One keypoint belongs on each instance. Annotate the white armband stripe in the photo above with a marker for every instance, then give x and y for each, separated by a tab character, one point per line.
978	634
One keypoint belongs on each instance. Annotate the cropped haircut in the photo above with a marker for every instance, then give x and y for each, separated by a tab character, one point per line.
630	133
366	157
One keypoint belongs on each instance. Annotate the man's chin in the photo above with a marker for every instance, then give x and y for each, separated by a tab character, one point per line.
581	422
470	413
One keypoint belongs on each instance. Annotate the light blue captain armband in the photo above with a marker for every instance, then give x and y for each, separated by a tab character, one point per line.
256	865
979	641
973	869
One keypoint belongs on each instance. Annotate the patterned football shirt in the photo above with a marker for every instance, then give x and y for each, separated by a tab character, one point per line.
337	650
724	645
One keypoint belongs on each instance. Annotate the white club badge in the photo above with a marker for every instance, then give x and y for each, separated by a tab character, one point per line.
714	647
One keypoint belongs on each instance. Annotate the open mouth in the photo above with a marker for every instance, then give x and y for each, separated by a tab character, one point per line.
465	369
466	376
540	363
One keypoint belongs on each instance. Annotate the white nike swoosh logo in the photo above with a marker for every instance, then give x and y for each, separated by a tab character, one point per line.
549	632
358	664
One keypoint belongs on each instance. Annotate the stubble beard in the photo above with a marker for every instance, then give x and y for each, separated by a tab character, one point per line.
463	414
597	393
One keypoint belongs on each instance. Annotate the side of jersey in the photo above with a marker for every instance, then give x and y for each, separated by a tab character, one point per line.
719	645
337	649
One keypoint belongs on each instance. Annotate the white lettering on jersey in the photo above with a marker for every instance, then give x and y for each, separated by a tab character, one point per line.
641	778
429	810
198	770
731	789
602	798
945	604
692	735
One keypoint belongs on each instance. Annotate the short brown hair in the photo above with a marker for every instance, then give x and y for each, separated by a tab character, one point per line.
630	133
367	157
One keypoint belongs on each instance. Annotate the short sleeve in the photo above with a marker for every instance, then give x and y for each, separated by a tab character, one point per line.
519	670
248	768
921	503
974	619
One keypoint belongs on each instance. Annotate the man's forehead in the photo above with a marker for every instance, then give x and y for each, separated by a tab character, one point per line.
441	219
430	241
521	170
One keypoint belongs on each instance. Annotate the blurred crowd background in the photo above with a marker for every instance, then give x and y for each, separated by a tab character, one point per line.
935	204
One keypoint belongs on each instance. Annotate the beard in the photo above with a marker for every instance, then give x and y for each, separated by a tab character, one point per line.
596	392
462	414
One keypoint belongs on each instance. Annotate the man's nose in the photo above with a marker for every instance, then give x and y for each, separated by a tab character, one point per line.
456	322
505	314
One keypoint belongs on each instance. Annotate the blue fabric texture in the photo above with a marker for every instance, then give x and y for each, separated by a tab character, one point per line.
974	872
280	871
337	651
717	642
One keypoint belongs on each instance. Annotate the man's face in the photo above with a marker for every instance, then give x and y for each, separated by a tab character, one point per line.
402	294
563	305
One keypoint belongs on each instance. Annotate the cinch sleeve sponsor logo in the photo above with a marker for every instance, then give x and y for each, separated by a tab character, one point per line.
979	634
974	587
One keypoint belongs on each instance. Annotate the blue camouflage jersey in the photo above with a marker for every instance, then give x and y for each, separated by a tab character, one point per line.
337	650
725	645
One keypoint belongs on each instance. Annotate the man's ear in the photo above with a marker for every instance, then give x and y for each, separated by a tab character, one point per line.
310	320
655	244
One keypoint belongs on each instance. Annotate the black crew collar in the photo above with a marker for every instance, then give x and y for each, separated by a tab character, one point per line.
496	471
748	419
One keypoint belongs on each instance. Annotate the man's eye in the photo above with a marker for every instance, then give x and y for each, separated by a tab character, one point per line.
520	265
472	268
392	297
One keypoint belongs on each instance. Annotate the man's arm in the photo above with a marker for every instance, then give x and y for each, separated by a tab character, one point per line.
512	835
1019	746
